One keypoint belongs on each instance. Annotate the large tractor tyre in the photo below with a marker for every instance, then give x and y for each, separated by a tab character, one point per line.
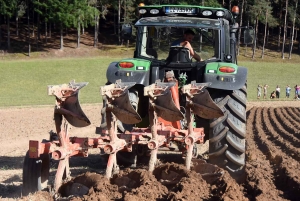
227	134
35	173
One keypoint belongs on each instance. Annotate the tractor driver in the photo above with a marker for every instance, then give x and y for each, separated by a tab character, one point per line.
188	36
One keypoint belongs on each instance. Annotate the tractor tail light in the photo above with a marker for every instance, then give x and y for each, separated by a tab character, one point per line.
227	69
126	64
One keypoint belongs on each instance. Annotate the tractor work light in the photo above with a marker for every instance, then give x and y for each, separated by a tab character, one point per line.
228	57
126	64
154	11
206	13
142	11
141	4
235	10
220	13
227	69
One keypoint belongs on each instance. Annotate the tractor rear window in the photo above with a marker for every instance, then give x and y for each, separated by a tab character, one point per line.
157	41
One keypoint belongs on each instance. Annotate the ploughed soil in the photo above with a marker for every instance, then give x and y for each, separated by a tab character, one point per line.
272	166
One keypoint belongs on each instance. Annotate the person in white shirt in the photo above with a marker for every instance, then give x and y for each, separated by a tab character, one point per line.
277	91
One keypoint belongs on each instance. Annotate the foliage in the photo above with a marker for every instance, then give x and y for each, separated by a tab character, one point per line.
8	7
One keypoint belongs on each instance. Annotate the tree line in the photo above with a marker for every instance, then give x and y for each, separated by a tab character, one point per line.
270	18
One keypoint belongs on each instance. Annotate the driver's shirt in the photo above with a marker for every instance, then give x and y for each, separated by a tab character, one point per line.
177	42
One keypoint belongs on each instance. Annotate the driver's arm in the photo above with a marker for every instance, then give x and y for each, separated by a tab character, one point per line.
193	53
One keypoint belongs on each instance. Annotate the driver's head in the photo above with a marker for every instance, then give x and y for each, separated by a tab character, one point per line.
189	35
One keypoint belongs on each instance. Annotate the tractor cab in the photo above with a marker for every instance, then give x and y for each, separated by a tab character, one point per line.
160	26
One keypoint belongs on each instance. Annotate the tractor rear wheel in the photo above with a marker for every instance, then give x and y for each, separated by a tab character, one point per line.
35	173
227	133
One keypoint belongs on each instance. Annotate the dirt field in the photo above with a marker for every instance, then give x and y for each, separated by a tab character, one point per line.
273	168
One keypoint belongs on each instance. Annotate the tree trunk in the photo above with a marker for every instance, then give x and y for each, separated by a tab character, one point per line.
33	23
8	33
61	38
17	26
0	32
28	27
268	34
96	31
285	28
255	38
38	27
240	31
119	22
78	34
50	30
115	27
266	25
293	30
280	19
46	33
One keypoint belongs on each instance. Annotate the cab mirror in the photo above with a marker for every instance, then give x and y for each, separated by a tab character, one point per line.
248	36
126	31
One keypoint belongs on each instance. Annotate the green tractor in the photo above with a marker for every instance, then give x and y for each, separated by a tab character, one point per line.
163	87
161	99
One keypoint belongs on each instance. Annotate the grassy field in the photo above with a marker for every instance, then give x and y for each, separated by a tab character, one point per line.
24	82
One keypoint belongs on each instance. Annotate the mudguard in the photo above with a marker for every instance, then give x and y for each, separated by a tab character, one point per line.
227	81
115	73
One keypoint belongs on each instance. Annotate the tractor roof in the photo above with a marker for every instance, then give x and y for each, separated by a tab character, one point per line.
188	11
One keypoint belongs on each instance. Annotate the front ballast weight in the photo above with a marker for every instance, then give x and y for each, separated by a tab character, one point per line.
165	126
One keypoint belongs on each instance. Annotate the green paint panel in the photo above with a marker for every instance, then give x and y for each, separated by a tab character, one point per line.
138	63
213	68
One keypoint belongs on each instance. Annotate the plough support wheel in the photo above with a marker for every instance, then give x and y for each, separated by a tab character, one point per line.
35	173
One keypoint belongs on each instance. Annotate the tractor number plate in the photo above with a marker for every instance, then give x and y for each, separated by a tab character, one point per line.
226	78
180	10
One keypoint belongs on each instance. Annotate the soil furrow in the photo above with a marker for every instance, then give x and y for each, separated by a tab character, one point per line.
286	125
295	113
278	135
281	134
260	174
288	172
294	117
287	112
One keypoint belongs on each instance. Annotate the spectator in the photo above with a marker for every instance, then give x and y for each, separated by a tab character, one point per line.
277	91
258	91
287	91
297	89
273	95
265	90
